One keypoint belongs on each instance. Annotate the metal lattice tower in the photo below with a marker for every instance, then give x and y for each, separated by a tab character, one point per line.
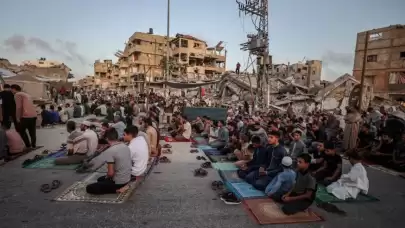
258	44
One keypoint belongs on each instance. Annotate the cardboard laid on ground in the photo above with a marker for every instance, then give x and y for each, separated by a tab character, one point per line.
266	211
77	192
49	163
322	196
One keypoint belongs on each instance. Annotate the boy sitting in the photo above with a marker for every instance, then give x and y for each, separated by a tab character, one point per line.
259	155
352	183
304	190
283	182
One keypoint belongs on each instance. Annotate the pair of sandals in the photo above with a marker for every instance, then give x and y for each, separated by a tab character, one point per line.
200	172
206	165
217	185
167	146
164	159
194	151
201	158
46	188
167	151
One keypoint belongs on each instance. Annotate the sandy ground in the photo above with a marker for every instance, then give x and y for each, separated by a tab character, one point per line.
173	198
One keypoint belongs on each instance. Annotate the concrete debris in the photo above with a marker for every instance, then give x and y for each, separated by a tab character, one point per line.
284	92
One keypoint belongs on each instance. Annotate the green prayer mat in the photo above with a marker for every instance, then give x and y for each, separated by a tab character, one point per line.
322	196
48	163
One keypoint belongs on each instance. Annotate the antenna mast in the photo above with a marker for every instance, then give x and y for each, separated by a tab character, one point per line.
258	44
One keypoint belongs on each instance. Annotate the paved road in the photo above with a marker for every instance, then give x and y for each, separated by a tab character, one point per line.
173	199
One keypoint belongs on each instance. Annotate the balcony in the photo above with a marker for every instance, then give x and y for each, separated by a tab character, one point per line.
124	64
178	50
217	57
134	48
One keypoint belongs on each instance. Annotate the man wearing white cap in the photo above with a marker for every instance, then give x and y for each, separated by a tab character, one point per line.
283	182
90	136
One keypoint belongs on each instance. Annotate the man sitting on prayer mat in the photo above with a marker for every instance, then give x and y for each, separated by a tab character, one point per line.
331	168
303	193
352	183
139	150
259	155
77	146
90	136
270	166
119	165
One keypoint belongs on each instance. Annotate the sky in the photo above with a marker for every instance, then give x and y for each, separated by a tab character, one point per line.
78	32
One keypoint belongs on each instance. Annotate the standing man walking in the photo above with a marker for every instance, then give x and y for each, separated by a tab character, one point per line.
26	116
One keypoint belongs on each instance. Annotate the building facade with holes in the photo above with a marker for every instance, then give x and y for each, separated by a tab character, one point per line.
385	60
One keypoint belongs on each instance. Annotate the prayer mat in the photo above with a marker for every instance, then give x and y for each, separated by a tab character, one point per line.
57	154
212	152
171	139
244	190
77	192
49	163
322	196
230	176
266	212
224	166
218	158
204	147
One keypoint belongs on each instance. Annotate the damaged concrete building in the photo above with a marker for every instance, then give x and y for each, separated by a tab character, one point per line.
336	94
385	60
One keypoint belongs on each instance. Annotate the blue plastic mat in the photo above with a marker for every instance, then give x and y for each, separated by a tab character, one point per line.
230	176
204	147
59	153
243	190
212	152
224	166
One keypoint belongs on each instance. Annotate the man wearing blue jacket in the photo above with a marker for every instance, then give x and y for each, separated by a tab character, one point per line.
259	154
270	165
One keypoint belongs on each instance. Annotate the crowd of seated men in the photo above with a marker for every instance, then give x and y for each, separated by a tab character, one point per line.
288	157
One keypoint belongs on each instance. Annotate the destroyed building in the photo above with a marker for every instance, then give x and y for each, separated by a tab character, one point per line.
385	60
335	95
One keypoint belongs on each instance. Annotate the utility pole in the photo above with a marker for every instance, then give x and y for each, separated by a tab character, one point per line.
167	74
258	44
363	71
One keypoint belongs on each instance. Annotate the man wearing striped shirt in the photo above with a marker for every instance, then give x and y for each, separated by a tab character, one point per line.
77	146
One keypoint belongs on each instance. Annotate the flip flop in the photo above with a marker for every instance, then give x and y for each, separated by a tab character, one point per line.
56	184
168	151
203	158
45	152
198	157
206	165
217	185
200	172
167	146
193	151
46	188
164	159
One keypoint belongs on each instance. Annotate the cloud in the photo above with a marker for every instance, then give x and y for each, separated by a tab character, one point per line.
16	43
65	49
335	58
336	64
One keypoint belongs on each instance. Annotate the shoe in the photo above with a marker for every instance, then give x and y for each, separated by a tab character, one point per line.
230	198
